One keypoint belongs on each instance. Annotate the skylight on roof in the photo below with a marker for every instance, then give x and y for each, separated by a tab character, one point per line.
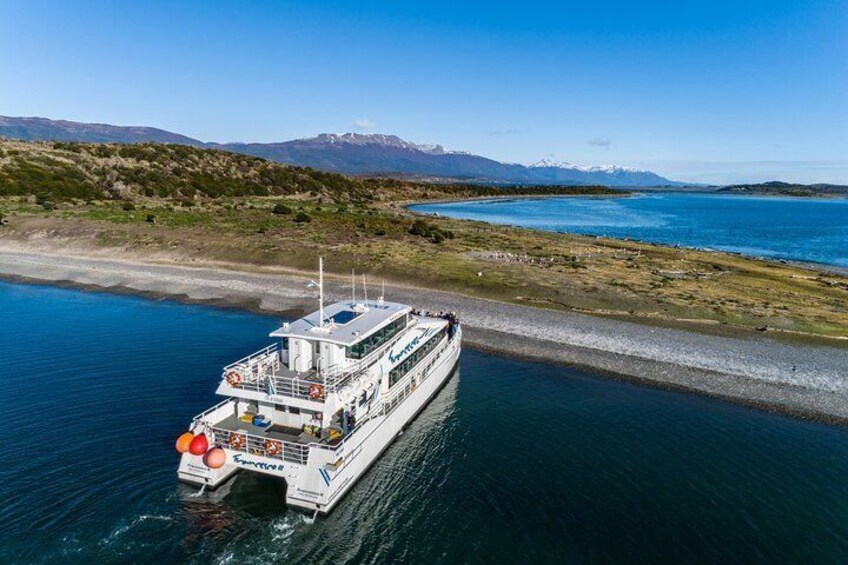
344	317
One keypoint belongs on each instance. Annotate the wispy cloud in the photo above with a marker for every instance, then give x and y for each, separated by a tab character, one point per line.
602	142
507	131
364	124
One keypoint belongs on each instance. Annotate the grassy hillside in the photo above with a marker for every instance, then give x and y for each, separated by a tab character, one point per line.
83	171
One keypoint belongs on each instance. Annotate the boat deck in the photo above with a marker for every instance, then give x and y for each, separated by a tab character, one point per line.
275	431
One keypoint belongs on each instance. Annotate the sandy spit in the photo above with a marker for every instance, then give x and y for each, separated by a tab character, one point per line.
801	380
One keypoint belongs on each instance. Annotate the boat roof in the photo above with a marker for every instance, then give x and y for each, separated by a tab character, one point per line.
346	322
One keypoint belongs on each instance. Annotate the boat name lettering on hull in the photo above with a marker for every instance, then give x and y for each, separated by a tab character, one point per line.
237	458
409	347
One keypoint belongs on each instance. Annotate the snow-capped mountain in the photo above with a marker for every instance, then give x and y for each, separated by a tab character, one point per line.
611	169
376	138
354	153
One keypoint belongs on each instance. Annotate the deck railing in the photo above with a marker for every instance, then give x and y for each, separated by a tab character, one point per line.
245	442
259	372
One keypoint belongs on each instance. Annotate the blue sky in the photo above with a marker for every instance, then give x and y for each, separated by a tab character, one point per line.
706	91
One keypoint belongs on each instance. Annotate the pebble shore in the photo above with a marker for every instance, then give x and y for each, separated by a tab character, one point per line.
808	381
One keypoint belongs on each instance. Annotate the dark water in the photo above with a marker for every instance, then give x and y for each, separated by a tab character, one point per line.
513	462
801	229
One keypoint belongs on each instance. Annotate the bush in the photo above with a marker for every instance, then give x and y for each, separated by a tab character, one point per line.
47	205
431	232
150	219
186	203
302	217
128	207
281	209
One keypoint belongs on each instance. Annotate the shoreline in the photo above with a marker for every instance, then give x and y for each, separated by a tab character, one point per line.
823	268
803	381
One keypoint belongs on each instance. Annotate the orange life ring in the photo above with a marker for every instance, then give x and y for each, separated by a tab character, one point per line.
316	391
234	378
273	448
236	441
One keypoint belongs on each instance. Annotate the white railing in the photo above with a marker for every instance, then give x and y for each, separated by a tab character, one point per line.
251	359
404	387
293	452
258	372
207	414
238	440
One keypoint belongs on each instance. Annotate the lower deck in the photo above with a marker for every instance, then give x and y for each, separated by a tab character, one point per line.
274	431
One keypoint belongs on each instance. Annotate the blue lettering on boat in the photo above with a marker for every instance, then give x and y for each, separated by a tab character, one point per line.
409	347
237	458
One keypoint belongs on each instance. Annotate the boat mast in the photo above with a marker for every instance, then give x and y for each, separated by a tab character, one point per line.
321	292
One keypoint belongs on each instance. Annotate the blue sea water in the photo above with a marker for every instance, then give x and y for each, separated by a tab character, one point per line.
802	229
513	462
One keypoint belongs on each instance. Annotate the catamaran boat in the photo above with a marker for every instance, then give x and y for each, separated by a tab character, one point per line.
318	406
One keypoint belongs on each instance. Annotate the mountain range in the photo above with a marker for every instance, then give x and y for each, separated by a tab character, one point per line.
351	153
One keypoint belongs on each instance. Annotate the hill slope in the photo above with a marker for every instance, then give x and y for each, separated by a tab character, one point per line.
64	170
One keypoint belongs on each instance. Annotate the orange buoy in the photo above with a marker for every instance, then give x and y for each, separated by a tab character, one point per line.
198	445
184	441
215	458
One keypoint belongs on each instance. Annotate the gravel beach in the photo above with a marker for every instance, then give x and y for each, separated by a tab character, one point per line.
809	381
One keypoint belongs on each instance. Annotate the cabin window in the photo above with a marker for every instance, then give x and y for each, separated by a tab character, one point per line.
284	343
410	362
373	341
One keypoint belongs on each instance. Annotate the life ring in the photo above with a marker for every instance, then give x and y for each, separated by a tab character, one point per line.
273	448
234	378
316	391
236	441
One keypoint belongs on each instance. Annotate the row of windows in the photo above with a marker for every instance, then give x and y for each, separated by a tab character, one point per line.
398	372
375	340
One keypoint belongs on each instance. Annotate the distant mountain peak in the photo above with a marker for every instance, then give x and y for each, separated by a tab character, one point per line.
608	169
376	139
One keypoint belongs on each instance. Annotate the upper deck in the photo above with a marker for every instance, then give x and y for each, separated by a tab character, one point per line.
345	323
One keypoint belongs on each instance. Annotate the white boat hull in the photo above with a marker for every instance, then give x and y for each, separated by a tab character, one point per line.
329	473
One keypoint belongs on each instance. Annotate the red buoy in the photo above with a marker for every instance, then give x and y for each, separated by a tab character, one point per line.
215	458
198	445
184	441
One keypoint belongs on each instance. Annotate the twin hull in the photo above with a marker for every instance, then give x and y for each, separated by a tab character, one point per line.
330	472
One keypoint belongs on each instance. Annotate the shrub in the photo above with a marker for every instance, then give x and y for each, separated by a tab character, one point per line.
281	209
150	219
47	205
128	207
431	232
302	217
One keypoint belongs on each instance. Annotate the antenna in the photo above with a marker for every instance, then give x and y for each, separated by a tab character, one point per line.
383	291
364	288
353	286
321	292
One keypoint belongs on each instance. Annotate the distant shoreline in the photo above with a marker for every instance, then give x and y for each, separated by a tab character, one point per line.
824	268
805	381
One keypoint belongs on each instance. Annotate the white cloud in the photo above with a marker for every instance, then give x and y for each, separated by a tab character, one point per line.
364	124
603	142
